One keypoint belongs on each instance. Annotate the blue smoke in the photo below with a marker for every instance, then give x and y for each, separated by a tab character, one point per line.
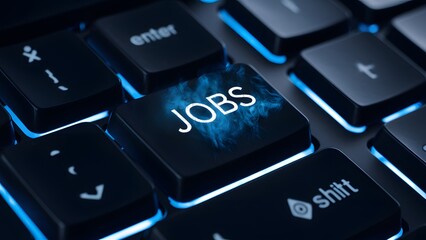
225	130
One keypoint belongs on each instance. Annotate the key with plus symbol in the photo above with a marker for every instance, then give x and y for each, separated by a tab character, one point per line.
367	70
364	79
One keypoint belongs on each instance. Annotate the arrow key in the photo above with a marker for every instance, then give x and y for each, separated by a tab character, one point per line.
77	184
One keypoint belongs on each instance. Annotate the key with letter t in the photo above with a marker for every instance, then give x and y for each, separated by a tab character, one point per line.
363	79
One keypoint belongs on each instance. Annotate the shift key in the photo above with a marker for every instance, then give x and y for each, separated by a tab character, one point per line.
324	196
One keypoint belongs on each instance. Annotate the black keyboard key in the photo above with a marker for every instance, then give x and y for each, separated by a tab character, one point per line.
418	234
156	45
55	80
77	184
11	227
374	11
363	79
409	34
331	199
284	26
403	143
206	133
22	19
6	128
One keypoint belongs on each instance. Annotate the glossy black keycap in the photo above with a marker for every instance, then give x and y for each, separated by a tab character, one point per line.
54	80
155	45
417	234
21	19
324	196
284	26
361	78
403	143
11	226
206	133
77	184
374	11
409	34
6	128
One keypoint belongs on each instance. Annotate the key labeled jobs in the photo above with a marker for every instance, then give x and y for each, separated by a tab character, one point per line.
205	133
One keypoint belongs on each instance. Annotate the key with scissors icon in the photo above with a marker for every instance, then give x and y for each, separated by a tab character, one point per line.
55	80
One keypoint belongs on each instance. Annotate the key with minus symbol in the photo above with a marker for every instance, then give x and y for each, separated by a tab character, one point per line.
105	195
56	82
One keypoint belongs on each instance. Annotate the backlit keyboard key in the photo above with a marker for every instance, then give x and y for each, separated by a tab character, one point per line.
403	143
362	78
284	26
206	133
325	196
409	34
6	129
373	11
77	184
55	80
154	46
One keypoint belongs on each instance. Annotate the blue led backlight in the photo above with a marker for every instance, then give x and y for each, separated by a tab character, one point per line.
402	112
371	28
395	170
321	103
397	236
22	215
208	1
38	235
355	129
250	39
129	88
227	188
31	134
139	227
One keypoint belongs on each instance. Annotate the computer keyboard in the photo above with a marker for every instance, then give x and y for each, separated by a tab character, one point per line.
334	191
220	120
